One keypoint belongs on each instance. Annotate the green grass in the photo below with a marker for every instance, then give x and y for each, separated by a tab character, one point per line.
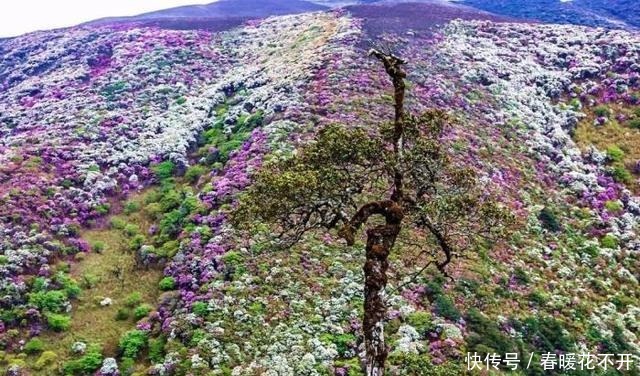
619	140
91	322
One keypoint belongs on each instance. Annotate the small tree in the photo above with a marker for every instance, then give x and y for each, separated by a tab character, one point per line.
401	173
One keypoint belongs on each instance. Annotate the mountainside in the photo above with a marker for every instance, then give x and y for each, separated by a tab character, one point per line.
602	13
597	13
228	13
218	15
126	143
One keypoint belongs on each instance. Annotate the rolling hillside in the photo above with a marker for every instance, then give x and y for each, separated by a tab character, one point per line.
126	144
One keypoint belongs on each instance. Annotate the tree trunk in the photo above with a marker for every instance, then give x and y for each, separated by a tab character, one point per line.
380	241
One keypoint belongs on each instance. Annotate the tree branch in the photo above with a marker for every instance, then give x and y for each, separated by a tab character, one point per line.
390	210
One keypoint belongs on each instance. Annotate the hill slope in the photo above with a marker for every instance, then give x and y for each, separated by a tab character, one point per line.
223	9
621	14
123	149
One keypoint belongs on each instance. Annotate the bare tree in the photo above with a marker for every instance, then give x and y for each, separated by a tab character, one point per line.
398	176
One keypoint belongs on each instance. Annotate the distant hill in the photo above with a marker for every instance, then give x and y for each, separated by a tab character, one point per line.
215	13
618	14
418	16
229	13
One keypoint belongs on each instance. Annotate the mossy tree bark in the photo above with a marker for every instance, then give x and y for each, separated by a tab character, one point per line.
380	239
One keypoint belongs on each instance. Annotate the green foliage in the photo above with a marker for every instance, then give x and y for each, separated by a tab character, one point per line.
122	314
58	322
34	346
200	308
167	283
127	366
68	284
234	142
87	364
621	174
47	358
617	343
194	172
39	284
409	364
591	250
67	183
253	121
63	267
49	301
169	248
634	123
343	342
132	342
575	104
421	321
131	230
111	90
134	299
156	349
256	308
521	276
197	336
289	185
74	230
613	206
131	207
615	153
171	199
153	210
33	162
136	242
338	166
170	225
118	223
102	209
142	311
154	195
548	220
232	258
444	307
601	111
214	135
191	204
485	335
547	334
609	241
164	170
98	246
622	301
234	263
538	298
